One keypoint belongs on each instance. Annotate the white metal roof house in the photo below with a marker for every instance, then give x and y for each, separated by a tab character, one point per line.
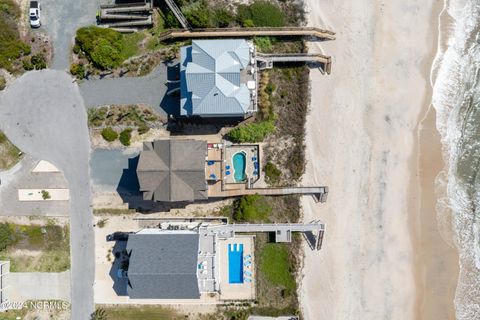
217	78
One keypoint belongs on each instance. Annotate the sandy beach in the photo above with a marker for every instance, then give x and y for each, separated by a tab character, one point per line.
372	140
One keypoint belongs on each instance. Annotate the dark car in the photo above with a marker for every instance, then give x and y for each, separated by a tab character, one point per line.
118	236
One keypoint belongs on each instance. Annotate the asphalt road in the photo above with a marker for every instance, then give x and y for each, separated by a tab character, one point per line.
61	19
43	114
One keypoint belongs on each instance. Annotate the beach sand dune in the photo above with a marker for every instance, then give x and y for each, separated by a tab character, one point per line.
362	142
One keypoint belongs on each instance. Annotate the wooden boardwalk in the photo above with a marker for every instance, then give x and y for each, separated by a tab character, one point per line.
267	60
318	33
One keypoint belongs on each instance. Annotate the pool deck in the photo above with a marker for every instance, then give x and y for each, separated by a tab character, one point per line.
251	151
236	291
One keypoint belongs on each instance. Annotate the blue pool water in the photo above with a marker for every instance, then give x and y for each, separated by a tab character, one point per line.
239	164
235	263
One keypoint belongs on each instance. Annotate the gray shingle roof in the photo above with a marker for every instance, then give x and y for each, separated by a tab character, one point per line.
173	170
163	266
210	82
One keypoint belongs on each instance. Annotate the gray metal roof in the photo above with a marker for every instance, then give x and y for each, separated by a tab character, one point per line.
210	81
173	170
163	266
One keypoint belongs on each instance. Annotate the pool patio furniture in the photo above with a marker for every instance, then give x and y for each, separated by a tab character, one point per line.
227	172
213	176
227	167
247	273
211	163
248	280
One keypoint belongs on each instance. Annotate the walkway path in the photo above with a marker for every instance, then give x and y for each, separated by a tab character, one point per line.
43	114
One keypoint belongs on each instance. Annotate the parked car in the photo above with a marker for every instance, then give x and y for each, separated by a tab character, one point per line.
35	14
118	236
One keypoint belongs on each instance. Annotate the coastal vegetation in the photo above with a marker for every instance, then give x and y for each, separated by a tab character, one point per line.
252	208
251	132
109	134
35	248
9	154
137	312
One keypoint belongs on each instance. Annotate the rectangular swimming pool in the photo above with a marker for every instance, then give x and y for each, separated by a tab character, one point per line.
235	263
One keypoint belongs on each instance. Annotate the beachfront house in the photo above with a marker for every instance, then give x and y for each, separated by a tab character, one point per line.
217	78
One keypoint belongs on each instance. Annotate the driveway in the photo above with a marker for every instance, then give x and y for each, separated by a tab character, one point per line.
21	177
43	114
25	286
61	19
150	89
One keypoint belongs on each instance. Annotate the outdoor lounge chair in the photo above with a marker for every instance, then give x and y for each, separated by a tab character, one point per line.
227	167
248	280
210	162
255	165
227	172
248	273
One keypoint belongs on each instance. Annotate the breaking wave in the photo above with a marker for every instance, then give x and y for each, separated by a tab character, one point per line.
456	98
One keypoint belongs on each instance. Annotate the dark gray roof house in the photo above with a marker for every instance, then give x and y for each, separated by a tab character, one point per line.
163	266
173	170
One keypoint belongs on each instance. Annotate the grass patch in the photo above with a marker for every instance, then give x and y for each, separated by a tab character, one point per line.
274	264
251	132
9	154
43	248
138	313
108	211
252	208
272	173
261	13
131	41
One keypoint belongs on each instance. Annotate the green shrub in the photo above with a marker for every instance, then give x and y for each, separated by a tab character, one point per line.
27	64
102	46
252	132
261	13
45	195
197	14
77	70
38	61
3	83
125	137
248	23
264	44
6	236
109	134
222	17
171	21
143	128
252	208
272	173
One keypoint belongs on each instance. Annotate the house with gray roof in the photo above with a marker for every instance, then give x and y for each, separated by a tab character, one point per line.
173	170
163	265
217	78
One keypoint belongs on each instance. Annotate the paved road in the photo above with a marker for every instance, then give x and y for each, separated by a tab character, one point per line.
150	90
21	177
39	286
43	114
61	19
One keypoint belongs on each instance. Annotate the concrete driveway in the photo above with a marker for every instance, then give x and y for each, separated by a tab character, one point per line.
43	114
21	177
39	286
61	19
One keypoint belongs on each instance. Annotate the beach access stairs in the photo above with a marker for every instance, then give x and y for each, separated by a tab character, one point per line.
178	14
266	61
313	231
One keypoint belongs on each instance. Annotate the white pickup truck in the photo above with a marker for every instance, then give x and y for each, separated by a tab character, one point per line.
35	14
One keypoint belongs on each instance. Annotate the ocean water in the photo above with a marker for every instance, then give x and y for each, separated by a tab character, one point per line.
456	98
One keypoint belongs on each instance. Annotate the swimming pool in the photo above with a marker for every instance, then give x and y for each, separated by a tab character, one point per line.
235	263
239	164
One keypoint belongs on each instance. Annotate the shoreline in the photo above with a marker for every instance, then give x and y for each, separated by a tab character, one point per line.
436	259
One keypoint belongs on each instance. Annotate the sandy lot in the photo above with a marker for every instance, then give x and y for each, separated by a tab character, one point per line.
382	255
